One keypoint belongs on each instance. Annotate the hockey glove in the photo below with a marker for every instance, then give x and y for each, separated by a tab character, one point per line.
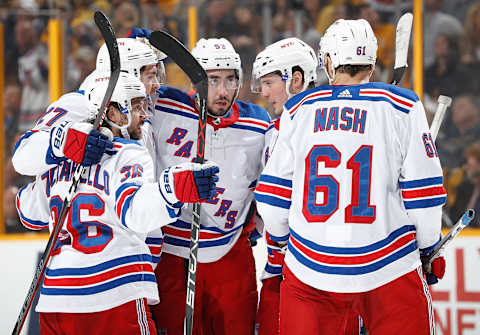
139	32
435	270
188	182
78	142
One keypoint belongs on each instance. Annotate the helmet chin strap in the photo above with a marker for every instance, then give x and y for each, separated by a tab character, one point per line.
125	133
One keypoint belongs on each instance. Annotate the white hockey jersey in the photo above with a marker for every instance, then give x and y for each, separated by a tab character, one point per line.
354	184
236	144
101	259
33	156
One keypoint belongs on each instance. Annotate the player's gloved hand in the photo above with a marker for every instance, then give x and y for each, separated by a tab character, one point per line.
139	32
78	142
189	182
276	252
435	270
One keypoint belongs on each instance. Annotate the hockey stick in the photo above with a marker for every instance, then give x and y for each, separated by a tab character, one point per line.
185	60
443	103
462	223
108	34
402	41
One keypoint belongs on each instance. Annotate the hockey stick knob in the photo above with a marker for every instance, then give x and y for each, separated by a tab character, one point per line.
107	132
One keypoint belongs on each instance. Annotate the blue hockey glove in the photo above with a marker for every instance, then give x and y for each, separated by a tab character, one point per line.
79	142
139	32
189	182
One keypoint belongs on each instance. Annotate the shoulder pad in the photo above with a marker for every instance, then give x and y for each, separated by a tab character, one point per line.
250	110
168	92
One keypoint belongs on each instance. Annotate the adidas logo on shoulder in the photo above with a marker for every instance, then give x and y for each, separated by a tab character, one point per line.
344	94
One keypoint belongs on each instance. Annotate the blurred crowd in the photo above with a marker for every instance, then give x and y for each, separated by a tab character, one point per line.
451	61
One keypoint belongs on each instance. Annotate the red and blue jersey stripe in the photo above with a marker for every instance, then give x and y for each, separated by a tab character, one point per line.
27	222
423	193
178	234
123	198
293	104
399	102
354	260
99	278
274	191
155	245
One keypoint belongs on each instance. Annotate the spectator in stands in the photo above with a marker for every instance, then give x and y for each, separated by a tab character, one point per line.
463	130
331	10
218	18
446	75
125	17
32	72
385	33
12	98
468	192
436	22
470	38
81	65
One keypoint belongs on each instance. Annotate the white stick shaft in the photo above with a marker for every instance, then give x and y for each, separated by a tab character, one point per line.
443	103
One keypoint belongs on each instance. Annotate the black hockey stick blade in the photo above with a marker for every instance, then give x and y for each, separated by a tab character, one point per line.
174	49
109	35
398	75
192	68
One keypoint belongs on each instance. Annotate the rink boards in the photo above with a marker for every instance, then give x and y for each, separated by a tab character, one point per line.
456	297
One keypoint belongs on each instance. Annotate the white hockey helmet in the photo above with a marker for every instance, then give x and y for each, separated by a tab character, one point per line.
218	54
128	87
134	54
348	42
283	56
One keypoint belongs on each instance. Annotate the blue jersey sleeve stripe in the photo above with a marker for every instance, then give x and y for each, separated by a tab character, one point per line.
425	203
257	130
175	112
24	137
154	240
279	238
32	224
273	201
421	182
274	270
122	188
126	206
276	180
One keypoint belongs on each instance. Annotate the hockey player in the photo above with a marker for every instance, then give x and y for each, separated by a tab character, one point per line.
33	153
281	70
226	293
140	59
355	187
100	276
137	59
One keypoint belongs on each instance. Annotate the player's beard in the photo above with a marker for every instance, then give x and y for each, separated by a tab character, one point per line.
135	131
220	110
